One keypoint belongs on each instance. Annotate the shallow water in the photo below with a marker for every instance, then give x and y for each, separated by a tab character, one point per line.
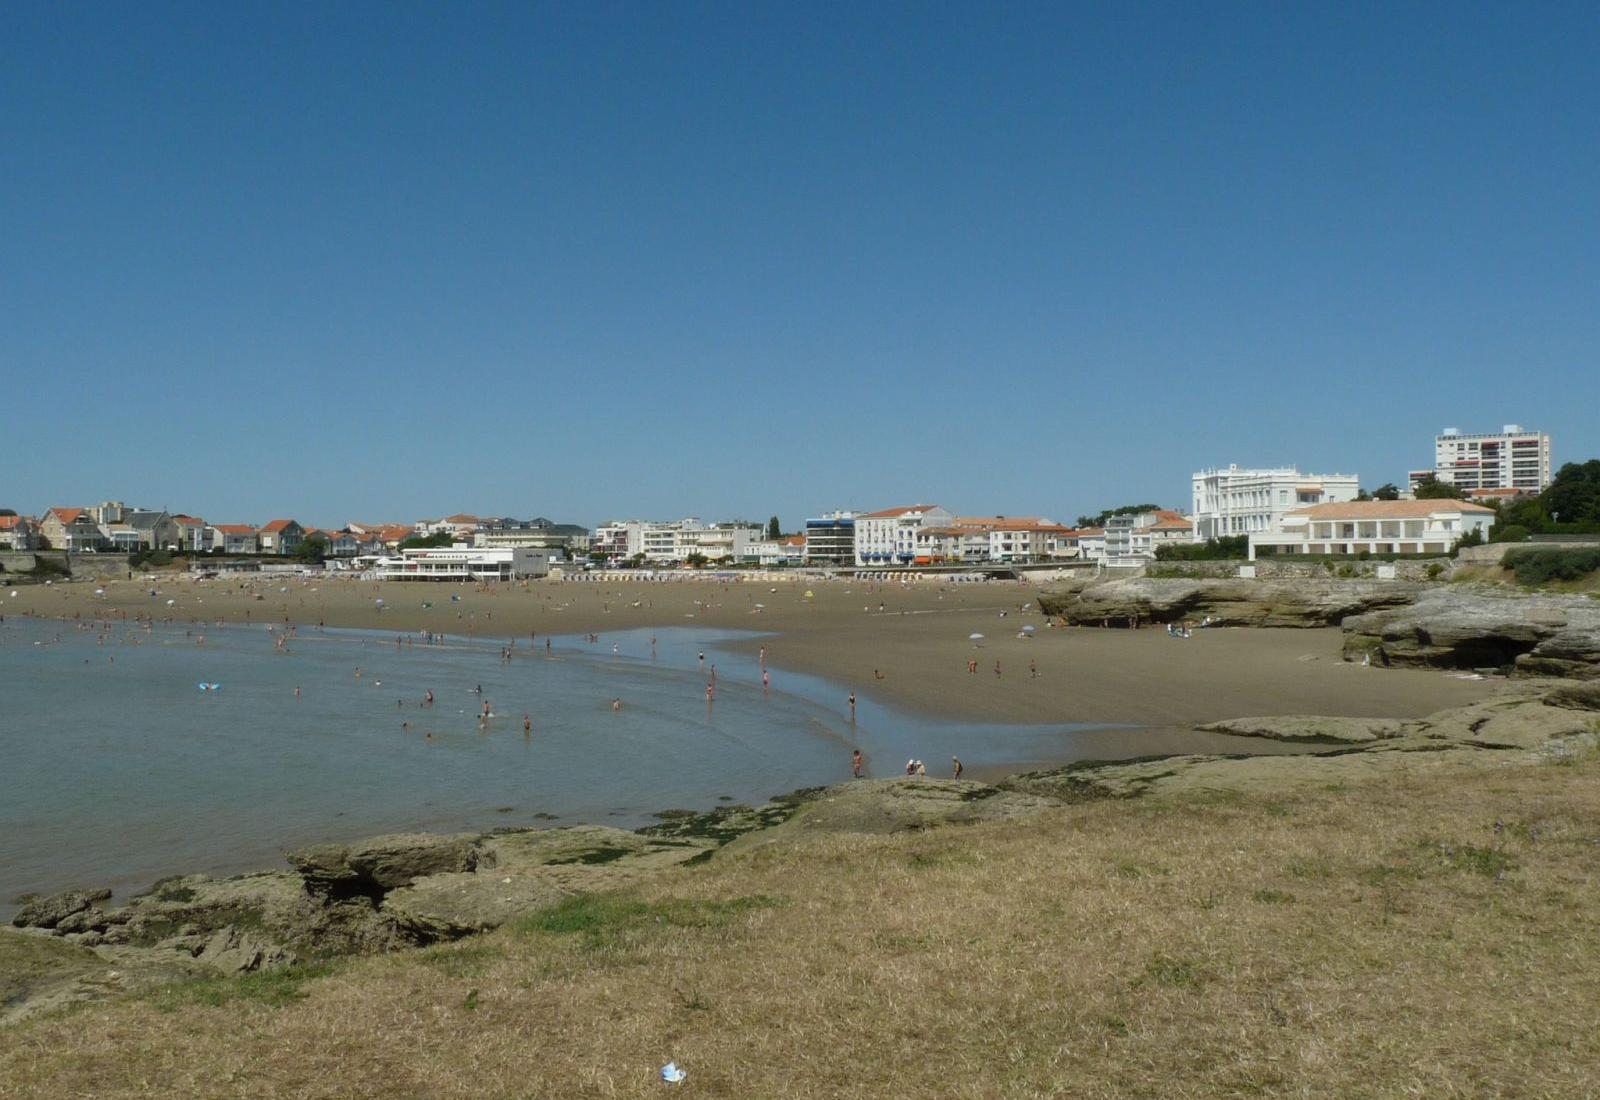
116	770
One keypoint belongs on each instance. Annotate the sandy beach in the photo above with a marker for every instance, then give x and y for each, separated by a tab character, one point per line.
906	645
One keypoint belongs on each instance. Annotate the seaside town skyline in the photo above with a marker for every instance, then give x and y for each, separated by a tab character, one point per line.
1271	508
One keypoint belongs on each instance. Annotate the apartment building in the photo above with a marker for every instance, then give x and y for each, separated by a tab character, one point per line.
1512	458
831	538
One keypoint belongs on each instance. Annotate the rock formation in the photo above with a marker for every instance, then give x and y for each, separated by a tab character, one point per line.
1227	602
1452	627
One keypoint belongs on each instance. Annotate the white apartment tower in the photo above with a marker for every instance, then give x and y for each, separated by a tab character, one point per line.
1237	501
1509	459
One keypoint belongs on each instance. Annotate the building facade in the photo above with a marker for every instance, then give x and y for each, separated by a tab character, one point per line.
71	529
1237	501
282	536
16	533
889	536
1134	538
464	563
1512	458
1375	527
831	538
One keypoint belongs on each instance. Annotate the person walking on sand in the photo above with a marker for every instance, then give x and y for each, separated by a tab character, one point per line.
955	767
997	670
855	764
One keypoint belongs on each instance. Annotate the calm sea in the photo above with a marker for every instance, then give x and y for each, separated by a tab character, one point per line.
115	769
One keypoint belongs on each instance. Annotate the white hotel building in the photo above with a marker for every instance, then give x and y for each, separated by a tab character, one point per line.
676	540
889	536
1236	501
1510	459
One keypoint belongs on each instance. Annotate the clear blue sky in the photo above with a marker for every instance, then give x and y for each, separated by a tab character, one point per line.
591	260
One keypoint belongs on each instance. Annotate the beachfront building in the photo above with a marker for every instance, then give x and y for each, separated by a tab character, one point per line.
1375	527
950	545
282	536
336	544
1236	501
618	539
1512	458
537	534
831	538
463	563
774	553
194	534
16	533
71	529
156	530
235	538
889	536
1133	538
1015	539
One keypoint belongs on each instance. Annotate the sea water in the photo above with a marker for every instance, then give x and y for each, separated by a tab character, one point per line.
116	768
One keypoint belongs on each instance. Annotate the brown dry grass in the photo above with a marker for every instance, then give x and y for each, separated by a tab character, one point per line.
1383	940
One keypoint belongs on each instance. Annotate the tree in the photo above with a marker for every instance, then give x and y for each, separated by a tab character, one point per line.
696	559
1431	488
1386	491
313	550
774	529
1574	495
425	542
1123	510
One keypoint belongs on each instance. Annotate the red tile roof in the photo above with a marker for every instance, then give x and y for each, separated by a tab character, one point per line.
887	512
460	517
276	525
66	515
235	528
8	522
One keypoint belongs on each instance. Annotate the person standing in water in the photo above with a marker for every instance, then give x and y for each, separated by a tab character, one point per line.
527	725
852	706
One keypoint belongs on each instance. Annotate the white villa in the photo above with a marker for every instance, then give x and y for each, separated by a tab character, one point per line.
1237	501
1374	526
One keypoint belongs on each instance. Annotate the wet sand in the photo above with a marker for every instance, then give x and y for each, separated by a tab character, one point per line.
918	643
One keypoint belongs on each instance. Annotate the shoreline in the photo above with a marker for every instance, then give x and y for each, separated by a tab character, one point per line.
913	654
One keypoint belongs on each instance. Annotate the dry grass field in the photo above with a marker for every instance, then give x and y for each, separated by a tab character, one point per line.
1416	936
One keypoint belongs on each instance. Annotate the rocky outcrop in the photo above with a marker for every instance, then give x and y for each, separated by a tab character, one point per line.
1517	725
896	805
1310	729
1227	602
69	911
1460	628
374	867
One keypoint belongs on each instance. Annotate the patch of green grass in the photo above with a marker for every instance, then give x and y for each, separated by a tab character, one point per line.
1310	867
1270	896
1170	971
603	854
603	917
273	988
466	960
1385	874
1132	868
1490	862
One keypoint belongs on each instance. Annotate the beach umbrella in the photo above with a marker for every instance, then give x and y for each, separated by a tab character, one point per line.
974	637
1029	629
